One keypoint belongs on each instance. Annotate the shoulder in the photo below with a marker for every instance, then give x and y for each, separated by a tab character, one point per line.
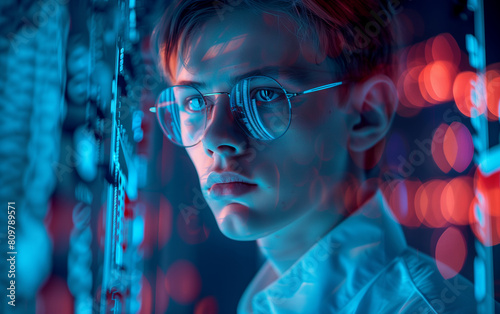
453	295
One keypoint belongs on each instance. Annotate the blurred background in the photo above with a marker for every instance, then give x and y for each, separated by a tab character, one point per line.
109	215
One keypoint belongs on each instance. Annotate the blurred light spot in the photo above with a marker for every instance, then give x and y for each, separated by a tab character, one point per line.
405	108
235	43
416	56
445	48
456	200
54	297
183	282
213	51
462	91
162	298
489	187
486	208
493	93
150	217
207	305
192	230
164	222
425	84
439	80
450	146
464	146
146	297
480	278
372	156
137	231
451	251
428	203
349	188
438	150
412	89
401	201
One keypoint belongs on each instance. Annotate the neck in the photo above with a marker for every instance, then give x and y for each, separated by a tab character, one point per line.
286	246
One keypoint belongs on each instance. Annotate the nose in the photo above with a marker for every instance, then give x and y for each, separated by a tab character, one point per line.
222	135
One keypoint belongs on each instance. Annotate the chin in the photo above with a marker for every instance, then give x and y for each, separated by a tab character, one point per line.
236	235
235	222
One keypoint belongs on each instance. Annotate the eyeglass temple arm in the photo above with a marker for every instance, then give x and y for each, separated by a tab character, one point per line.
316	89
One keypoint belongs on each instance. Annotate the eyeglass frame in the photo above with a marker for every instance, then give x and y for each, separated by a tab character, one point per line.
288	95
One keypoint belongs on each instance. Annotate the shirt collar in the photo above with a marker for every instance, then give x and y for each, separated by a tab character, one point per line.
340	264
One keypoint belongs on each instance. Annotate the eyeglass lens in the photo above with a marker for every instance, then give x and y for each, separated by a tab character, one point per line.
259	104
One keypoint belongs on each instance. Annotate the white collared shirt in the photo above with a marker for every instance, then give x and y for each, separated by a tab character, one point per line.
362	266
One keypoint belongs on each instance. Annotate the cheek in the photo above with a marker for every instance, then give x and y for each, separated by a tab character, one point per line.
314	146
200	160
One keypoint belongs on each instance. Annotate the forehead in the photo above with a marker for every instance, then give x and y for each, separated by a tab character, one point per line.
244	42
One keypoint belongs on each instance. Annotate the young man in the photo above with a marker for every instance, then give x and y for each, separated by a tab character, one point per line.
282	106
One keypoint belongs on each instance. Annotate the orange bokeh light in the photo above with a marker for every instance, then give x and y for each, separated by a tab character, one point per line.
456	199
493	93
428	203
439	80
462	88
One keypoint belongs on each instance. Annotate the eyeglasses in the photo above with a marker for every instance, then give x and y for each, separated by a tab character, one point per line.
259	104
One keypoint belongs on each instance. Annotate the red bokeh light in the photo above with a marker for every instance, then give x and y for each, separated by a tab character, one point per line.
486	207
191	227
438	149
164	222
451	251
405	108
150	216
54	297
452	147
445	48
146	297
162	298
183	282
207	305
458	146
411	88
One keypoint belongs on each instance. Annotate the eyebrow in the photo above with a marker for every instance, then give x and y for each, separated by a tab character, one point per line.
291	74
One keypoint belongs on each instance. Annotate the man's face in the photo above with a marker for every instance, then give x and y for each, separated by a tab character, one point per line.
287	178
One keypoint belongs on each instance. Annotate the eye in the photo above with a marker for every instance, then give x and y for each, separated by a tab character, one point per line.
194	104
266	95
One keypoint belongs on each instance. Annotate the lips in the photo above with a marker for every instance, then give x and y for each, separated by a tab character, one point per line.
228	184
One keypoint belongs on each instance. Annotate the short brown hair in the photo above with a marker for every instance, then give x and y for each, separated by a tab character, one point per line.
357	34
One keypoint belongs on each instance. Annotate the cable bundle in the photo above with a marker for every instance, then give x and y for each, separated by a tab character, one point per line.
31	111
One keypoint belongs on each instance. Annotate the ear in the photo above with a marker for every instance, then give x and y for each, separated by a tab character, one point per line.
374	104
